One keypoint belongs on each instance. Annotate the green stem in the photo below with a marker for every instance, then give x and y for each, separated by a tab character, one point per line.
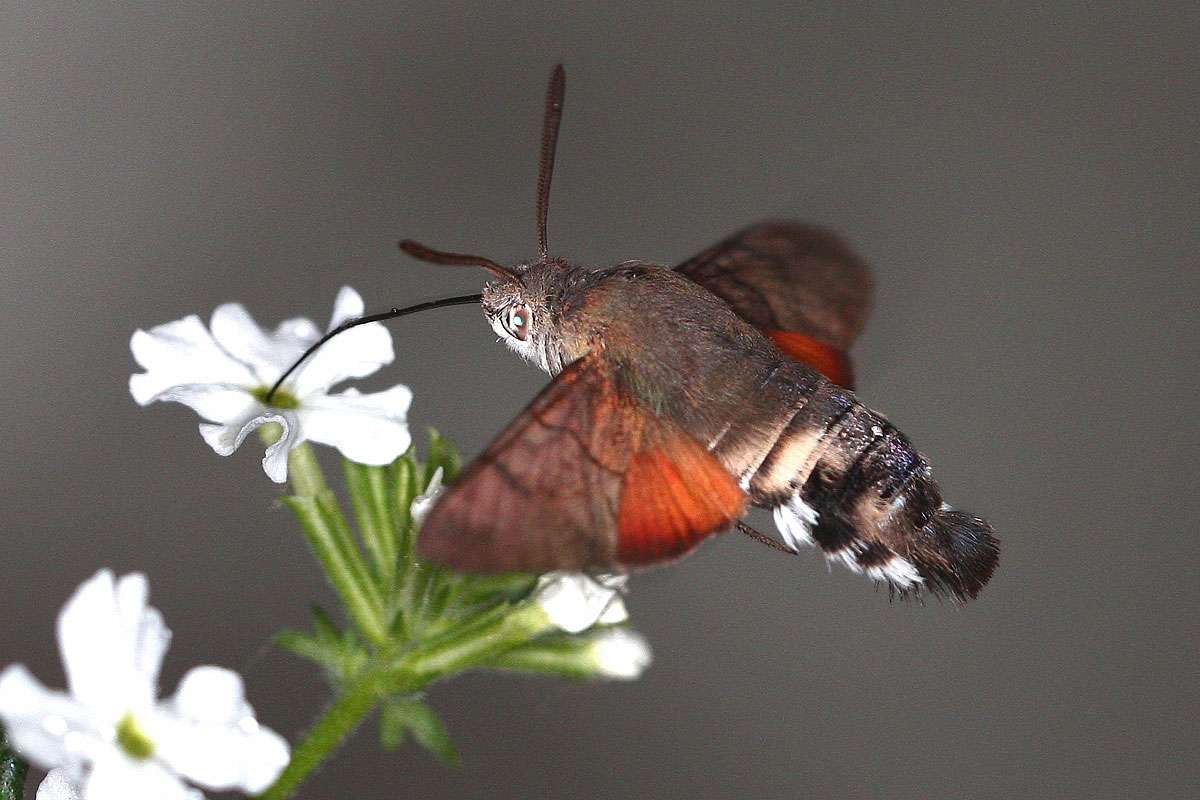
304	472
319	517
337	723
370	491
331	539
475	643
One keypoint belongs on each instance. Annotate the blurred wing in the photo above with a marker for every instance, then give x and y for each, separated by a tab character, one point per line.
585	477
800	285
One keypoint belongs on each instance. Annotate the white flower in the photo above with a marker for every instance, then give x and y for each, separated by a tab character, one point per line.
224	376
575	601
423	503
57	785
109	737
620	654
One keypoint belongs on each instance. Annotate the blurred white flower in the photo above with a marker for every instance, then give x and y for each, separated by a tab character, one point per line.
620	654
575	601
224	376
57	785
109	737
423	503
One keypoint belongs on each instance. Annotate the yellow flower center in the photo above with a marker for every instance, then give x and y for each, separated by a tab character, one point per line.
133	740
281	399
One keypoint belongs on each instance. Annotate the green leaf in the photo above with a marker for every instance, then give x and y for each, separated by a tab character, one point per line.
324	625
405	715
307	646
12	771
341	657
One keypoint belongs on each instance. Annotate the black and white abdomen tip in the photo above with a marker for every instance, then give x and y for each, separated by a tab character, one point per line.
840	477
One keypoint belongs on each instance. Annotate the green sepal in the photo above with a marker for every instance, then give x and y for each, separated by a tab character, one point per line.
489	589
442	453
403	716
560	655
406	485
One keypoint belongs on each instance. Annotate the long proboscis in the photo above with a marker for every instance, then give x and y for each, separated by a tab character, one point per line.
380	317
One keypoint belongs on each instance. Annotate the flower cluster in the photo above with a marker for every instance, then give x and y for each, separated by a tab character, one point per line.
408	624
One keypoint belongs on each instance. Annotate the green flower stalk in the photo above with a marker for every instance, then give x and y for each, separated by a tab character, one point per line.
411	624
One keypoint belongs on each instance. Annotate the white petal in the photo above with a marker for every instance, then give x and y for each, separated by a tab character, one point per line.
112	645
222	403
211	694
58	785
354	354
178	353
275	460
574	601
46	727
615	614
268	354
620	654
119	777
208	734
367	428
612	580
151	641
347	305
423	503
225	439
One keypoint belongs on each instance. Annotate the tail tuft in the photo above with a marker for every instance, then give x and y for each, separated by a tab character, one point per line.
956	553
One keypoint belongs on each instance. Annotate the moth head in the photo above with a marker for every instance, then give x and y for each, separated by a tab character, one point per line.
520	317
516	304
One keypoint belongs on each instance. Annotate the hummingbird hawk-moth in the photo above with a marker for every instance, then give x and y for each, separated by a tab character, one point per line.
680	397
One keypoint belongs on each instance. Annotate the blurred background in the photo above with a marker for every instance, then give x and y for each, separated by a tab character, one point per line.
1023	180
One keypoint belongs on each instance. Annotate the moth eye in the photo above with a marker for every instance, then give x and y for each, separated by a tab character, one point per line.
518	321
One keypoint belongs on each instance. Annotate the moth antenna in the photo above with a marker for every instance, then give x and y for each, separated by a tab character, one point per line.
354	323
550	122
423	253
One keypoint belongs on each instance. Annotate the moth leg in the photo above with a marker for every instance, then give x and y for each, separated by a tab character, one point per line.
758	536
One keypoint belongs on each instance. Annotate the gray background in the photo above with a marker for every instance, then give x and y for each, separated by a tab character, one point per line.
1023	180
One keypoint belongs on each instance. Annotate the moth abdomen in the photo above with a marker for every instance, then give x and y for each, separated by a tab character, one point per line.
956	553
842	478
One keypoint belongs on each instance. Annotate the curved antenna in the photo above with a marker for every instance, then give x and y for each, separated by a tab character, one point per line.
550	122
354	323
420	251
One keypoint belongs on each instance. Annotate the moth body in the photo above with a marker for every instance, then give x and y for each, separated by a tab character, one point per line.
834	473
681	396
